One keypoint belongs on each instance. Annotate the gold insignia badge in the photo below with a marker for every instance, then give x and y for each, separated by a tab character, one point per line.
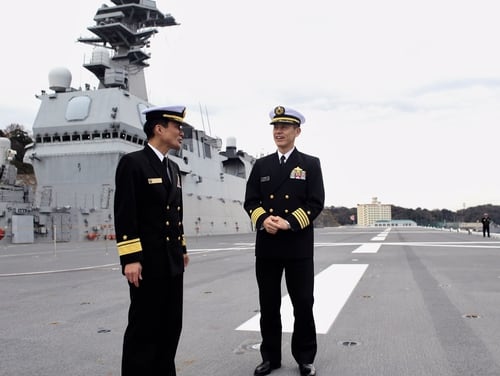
155	180
298	173
280	110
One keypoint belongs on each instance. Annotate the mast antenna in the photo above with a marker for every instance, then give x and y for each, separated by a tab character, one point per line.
202	120
208	121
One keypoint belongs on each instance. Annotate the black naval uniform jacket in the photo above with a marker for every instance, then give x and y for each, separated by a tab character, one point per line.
148	214
294	192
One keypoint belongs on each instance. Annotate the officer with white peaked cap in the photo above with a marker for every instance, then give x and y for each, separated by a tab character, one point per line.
284	194
150	240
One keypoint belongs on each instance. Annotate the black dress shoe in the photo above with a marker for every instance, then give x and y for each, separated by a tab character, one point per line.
265	368
307	370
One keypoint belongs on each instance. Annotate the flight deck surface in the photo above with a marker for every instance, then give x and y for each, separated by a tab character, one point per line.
402	301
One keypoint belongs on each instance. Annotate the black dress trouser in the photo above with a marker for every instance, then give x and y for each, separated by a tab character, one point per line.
154	327
299	277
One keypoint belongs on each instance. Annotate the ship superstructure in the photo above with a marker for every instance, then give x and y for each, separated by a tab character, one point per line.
80	134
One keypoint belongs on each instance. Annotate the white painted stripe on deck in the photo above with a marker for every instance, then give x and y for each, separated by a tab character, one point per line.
368	248
332	288
382	235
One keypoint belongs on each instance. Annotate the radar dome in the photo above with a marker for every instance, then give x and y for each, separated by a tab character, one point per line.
59	79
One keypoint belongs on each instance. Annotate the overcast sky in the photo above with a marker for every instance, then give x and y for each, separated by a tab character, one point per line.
401	98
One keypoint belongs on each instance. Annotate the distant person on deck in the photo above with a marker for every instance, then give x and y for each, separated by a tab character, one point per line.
486	224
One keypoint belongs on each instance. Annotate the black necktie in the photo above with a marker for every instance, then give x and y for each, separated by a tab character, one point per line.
282	161
165	165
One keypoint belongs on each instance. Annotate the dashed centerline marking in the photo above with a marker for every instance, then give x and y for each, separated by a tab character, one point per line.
368	248
372	247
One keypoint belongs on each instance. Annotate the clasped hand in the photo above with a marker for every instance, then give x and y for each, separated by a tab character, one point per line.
274	223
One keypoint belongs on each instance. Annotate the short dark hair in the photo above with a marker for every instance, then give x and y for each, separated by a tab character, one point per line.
149	126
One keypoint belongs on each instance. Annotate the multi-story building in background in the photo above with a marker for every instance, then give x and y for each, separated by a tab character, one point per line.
368	214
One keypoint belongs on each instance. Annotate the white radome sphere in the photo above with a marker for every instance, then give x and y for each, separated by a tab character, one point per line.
59	79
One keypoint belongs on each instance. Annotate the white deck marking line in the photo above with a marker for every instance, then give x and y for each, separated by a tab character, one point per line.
60	270
382	235
332	288
368	248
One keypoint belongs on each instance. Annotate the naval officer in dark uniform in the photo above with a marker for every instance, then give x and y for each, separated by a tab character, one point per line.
150	240
486	220
284	194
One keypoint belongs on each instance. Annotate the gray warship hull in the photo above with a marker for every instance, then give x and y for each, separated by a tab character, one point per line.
80	134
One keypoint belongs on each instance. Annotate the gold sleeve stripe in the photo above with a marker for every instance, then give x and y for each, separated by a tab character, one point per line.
301	217
129	246
183	243
257	212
